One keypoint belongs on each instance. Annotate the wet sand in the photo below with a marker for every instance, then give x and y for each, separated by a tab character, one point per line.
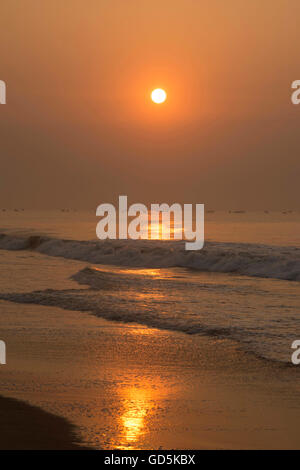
126	386
132	387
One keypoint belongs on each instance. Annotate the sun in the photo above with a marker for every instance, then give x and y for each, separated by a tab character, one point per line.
158	96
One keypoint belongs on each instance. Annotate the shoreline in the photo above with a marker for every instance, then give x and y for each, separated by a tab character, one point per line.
27	427
131	387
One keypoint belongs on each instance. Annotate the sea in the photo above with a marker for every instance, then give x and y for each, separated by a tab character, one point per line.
243	285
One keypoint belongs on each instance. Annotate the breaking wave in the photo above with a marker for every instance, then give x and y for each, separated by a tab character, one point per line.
245	259
182	302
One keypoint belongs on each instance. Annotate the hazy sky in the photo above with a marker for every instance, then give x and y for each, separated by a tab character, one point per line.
79	127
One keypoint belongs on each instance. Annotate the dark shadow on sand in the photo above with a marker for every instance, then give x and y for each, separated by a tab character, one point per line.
26	427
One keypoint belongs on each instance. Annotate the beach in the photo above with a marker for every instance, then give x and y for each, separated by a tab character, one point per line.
129	387
149	226
127	357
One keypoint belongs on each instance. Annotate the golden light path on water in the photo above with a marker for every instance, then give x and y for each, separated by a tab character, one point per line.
159	231
136	407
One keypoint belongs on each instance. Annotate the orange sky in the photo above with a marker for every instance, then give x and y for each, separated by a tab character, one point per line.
79	76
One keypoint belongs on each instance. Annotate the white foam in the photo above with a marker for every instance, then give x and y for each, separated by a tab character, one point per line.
244	259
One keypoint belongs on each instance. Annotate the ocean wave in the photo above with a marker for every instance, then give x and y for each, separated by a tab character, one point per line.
193	305
129	311
245	259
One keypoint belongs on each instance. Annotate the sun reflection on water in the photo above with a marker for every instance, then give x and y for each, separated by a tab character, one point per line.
137	405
